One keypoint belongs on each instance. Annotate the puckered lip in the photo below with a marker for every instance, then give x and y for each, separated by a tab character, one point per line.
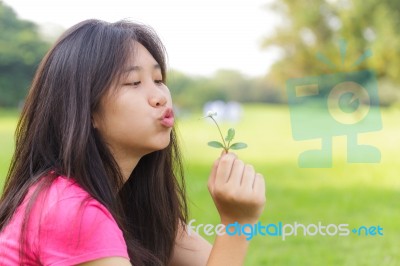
167	117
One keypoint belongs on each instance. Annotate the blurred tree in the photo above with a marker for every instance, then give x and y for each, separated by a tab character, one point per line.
238	87
192	92
226	85
316	26
21	49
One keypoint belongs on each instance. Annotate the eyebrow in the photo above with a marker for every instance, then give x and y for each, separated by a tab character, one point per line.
139	68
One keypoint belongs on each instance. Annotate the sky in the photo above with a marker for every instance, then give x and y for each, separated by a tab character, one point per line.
200	36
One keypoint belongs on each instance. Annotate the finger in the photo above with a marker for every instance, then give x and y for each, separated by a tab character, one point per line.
236	173
259	185
223	152
248	177
211	179
224	168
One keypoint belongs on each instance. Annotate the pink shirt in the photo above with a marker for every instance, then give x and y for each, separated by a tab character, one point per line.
66	227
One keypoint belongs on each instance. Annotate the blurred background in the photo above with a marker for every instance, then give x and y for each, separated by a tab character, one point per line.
237	58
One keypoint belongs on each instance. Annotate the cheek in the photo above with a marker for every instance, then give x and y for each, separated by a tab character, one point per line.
113	115
126	114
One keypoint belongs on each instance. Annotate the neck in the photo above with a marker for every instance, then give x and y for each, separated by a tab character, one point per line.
126	162
126	166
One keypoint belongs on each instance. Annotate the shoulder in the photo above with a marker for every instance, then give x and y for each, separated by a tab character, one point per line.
65	199
74	227
65	202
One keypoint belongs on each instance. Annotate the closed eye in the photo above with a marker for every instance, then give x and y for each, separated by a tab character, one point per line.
159	81
136	83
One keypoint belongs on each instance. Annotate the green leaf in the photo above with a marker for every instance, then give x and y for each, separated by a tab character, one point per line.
230	135
238	146
215	144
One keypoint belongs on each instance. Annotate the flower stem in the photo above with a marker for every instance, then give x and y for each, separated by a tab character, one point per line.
222	137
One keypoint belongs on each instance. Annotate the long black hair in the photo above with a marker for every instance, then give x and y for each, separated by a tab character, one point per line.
55	135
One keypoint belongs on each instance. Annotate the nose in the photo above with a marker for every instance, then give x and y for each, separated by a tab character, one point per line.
158	99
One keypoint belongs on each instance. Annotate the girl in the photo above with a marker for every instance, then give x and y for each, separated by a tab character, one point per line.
96	178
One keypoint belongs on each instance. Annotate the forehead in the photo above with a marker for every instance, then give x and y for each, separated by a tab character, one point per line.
140	56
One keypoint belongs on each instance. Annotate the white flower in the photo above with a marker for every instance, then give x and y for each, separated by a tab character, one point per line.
211	114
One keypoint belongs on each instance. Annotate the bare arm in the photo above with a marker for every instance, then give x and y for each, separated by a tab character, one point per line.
239	195
190	249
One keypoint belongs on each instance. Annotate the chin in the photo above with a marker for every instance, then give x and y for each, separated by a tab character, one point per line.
161	145
166	144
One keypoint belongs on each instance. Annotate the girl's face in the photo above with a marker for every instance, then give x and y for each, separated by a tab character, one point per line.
136	118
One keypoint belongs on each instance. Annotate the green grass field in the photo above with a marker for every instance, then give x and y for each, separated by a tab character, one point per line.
354	194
